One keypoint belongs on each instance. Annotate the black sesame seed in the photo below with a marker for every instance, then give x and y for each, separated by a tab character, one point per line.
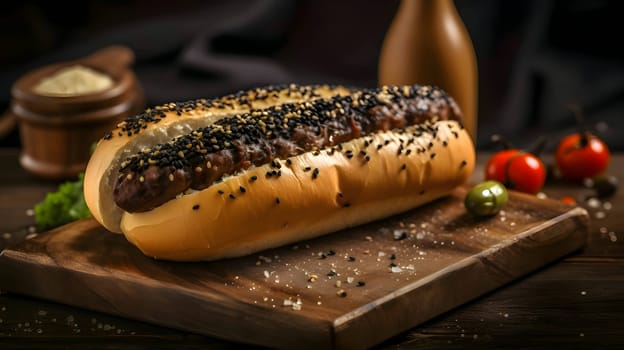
253	178
315	173
361	283
340	194
400	236
196	206
407	152
433	155
331	273
331	253
444	143
392	264
463	164
288	161
346	205
232	196
242	189
379	146
307	168
363	152
220	192
404	166
392	256
277	200
351	258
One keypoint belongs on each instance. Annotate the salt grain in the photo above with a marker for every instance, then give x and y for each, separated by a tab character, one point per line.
396	269
604	230
541	195
6	235
607	205
600	215
583	292
30	212
612	237
593	203
42	313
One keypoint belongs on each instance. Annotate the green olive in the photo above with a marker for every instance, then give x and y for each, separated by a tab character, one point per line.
486	198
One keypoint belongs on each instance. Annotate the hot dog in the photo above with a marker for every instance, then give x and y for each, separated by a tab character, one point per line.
209	179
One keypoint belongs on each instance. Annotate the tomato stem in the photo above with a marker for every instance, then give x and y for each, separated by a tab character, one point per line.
500	140
580	123
538	146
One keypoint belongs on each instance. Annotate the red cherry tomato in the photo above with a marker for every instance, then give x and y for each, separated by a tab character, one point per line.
568	200
517	170
581	156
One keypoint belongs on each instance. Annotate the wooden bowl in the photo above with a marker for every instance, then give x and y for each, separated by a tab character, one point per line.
57	132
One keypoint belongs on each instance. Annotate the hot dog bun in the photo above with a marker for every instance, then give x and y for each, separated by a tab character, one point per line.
368	178
159	124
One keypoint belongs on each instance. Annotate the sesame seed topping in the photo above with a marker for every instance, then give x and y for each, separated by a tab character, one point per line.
277	200
196	207
220	192
276	127
242	189
232	196
315	173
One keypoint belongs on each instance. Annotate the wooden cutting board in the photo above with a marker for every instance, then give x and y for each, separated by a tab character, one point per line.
352	289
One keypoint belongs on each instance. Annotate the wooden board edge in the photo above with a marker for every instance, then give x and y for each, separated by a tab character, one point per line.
353	330
158	306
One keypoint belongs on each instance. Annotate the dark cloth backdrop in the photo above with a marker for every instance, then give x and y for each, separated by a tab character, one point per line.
535	57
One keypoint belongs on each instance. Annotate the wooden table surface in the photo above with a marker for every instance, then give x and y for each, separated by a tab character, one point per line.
577	302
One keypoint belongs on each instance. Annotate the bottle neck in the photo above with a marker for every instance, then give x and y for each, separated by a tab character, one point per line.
423	9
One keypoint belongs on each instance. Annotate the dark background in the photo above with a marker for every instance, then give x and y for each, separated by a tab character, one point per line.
534	57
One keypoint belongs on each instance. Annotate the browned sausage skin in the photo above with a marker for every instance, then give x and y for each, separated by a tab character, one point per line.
230	145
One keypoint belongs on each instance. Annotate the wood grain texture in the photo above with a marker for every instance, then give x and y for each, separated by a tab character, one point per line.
446	259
